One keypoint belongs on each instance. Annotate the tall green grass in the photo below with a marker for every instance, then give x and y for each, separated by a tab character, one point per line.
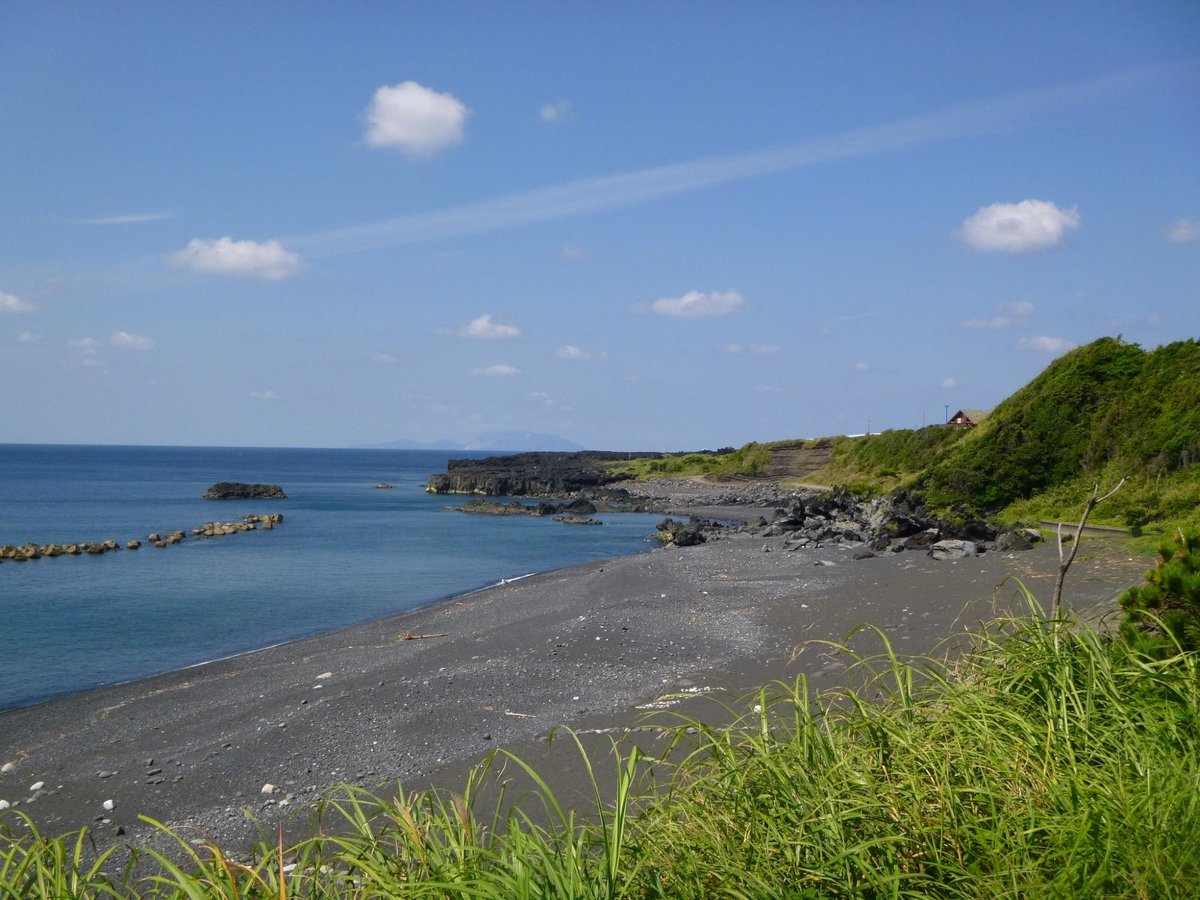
1049	761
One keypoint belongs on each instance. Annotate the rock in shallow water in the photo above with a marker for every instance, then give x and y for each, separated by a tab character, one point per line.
237	490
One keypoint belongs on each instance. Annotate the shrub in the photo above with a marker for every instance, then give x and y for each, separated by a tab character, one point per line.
1163	615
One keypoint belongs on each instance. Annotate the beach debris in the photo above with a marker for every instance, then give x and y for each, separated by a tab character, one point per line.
324	675
108	805
36	786
409	636
519	715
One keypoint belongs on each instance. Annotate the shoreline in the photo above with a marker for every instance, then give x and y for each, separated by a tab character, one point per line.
420	696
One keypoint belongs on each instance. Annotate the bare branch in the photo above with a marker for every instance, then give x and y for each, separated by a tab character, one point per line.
1093	501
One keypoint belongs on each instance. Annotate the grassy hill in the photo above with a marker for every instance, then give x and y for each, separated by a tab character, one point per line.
1104	411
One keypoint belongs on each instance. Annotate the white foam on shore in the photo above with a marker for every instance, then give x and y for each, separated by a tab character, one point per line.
514	578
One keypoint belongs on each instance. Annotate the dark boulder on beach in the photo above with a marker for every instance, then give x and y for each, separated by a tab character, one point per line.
236	490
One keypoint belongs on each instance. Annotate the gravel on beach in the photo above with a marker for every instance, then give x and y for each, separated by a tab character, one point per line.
418	697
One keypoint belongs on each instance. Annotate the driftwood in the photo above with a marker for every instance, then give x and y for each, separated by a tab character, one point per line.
1065	563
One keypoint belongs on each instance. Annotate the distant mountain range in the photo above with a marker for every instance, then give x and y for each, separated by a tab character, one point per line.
491	440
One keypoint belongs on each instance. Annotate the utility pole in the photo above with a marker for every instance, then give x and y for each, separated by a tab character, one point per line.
946	420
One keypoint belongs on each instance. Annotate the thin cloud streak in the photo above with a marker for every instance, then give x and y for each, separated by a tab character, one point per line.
625	189
131	219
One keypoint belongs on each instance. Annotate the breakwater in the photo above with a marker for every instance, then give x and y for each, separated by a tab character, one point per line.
160	540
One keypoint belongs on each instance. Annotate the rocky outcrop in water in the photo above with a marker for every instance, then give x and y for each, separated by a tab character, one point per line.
237	490
574	513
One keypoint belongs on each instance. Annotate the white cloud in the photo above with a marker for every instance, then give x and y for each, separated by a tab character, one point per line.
696	303
627	189
417	120
766	349
264	395
385	359
572	252
129	219
949	383
1008	315
555	112
86	345
732	349
546	400
862	366
11	303
1045	344
484	327
570	351
126	340
268	260
768	389
1018	227
28	337
1183	231
497	371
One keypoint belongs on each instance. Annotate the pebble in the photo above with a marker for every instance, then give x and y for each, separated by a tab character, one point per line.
7	767
268	788
108	805
36	786
4	804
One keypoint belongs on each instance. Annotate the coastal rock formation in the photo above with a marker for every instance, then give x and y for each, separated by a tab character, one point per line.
236	490
529	474
573	513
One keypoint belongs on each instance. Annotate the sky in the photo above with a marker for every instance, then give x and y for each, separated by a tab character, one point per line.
639	226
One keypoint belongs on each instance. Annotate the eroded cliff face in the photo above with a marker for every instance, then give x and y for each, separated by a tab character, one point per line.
529	474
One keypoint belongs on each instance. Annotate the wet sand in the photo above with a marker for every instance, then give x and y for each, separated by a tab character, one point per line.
419	697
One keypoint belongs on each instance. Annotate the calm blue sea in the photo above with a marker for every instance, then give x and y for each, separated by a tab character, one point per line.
346	552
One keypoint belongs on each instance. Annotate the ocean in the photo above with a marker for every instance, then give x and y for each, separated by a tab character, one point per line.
346	552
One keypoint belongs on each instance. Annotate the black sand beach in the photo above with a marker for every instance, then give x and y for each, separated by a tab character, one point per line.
419	697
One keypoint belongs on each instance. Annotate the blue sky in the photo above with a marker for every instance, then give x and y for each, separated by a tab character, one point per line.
635	225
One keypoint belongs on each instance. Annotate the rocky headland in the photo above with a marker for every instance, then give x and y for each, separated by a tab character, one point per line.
804	517
546	474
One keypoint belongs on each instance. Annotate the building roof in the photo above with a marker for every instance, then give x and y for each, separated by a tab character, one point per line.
972	415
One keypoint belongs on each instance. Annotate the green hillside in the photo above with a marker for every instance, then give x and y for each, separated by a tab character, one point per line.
1104	411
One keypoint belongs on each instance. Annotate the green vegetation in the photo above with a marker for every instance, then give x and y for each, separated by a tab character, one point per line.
884	460
745	461
1162	616
1104	411
1102	406
1046	762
